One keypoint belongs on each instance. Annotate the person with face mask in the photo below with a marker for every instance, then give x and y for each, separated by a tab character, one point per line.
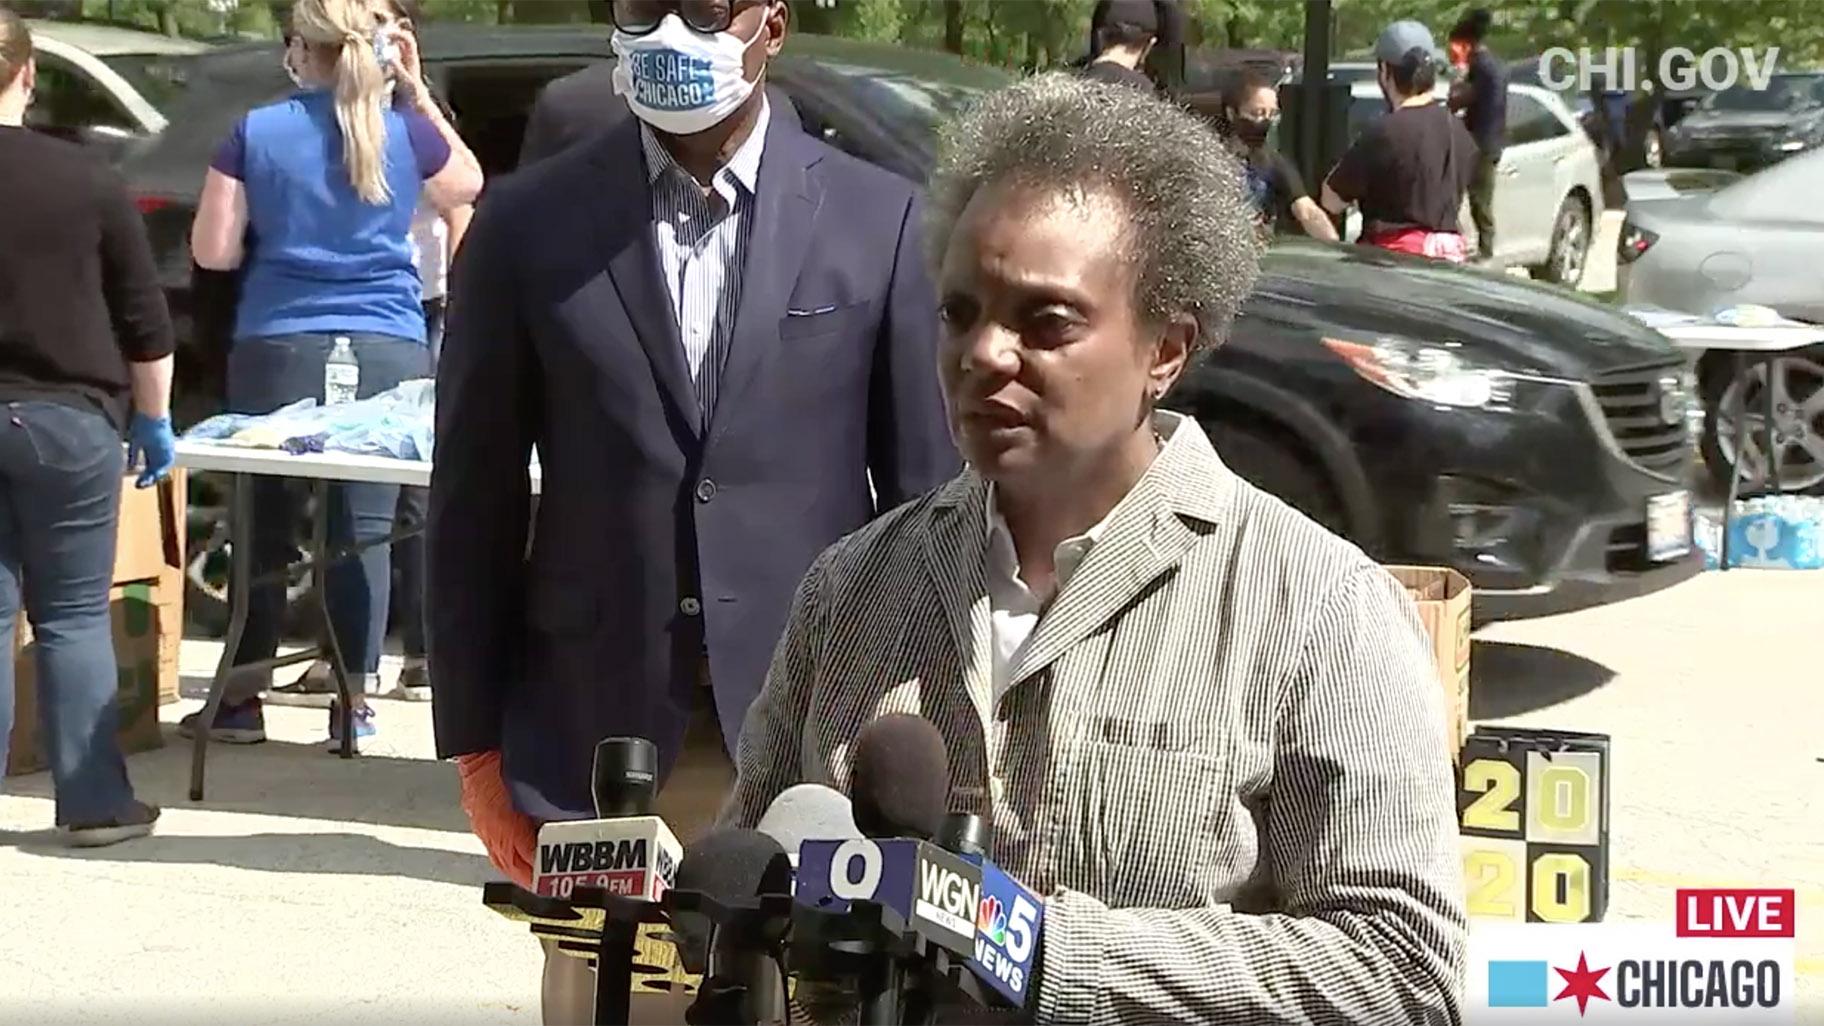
585	103
1274	186
326	180
1408	171
1122	40
717	333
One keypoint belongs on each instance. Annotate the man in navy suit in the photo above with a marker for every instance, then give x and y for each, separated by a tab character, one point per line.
715	330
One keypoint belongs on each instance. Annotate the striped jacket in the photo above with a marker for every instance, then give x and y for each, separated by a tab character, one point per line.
1223	757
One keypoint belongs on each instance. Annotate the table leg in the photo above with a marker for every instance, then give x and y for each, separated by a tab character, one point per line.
332	647
240	540
1741	456
1769	364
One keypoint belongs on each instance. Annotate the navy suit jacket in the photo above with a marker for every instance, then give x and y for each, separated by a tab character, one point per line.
655	542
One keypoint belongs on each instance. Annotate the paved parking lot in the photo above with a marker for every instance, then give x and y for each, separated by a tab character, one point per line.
305	886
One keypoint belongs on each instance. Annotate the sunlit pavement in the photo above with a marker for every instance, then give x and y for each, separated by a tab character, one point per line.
305	887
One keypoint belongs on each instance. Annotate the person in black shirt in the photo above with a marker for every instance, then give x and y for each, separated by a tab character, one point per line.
1481	96
1274	186
1408	171
83	329
1123	38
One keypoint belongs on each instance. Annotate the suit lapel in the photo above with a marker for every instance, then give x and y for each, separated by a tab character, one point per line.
954	561
1148	536
623	211
784	203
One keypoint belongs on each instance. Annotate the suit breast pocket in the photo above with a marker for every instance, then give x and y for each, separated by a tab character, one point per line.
815	320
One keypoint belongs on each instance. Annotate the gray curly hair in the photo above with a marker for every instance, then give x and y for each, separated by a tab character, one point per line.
1191	232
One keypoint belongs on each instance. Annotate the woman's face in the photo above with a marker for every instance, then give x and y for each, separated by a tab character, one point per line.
1046	367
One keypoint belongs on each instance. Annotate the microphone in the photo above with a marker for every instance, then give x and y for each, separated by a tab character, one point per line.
729	931
899	777
1007	926
808	812
1007	919
890	909
625	851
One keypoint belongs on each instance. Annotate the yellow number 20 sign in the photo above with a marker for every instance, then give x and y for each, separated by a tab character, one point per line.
1533	808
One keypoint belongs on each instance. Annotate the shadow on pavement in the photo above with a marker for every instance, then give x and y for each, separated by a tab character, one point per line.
277	778
350	854
1508	679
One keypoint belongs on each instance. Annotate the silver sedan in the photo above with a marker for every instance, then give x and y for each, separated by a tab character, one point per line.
1759	240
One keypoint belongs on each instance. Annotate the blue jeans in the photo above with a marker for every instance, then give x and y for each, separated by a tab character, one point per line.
60	470
263	375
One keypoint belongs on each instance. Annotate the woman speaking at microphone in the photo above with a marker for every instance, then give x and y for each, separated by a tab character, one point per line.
1207	730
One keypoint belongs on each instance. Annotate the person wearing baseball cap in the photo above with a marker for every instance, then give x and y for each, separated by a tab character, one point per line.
1122	39
1409	170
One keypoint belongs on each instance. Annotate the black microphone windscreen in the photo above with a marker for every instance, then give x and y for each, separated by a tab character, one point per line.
899	778
626	777
733	867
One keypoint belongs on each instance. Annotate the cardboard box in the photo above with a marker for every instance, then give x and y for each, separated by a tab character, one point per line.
149	546
150	536
134	610
1443	598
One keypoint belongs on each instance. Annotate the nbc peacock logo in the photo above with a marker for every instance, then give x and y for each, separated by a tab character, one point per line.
991	921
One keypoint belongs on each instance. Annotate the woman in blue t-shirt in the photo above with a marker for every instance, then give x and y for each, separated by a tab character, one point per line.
312	199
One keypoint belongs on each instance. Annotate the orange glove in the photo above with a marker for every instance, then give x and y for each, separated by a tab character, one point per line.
509	835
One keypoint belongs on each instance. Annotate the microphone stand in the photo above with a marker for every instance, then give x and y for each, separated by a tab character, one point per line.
742	984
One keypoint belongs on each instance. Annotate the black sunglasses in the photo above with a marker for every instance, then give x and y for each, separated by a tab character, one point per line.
639	17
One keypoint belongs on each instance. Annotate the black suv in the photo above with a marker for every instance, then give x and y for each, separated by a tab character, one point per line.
1432	414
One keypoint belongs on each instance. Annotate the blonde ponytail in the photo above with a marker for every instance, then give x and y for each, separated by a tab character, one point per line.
361	114
348	27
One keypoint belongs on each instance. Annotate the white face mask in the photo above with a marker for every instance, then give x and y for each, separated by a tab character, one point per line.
681	81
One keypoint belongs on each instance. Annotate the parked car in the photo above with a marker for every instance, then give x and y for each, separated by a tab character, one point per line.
1630	128
1744	129
1755	240
102	85
1548	186
1531	439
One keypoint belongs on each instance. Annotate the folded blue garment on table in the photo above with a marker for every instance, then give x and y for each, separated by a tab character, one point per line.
396	423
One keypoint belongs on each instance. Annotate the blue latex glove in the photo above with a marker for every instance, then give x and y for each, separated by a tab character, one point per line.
152	439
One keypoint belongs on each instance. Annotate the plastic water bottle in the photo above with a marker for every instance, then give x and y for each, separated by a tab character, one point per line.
341	374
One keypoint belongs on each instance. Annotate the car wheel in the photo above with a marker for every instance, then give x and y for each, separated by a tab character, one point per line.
1655	149
1276	464
208	555
1570	250
1798	421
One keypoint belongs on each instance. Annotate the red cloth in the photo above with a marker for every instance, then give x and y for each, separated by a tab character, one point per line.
509	835
1420	242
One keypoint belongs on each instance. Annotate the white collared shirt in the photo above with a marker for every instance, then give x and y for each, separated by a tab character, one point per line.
702	241
1014	610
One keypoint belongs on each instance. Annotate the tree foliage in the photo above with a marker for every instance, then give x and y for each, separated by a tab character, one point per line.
1034	34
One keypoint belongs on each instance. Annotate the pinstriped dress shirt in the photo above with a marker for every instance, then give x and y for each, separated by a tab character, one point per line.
1220	756
702	242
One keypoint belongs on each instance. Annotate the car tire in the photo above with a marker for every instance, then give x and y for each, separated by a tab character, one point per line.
1716	379
1278	464
1569	256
